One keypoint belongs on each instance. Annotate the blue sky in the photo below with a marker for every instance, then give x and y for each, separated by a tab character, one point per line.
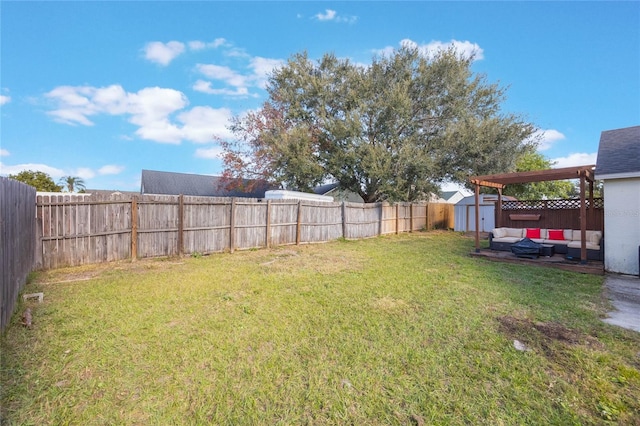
102	90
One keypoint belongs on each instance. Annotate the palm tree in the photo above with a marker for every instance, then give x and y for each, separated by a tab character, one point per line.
72	183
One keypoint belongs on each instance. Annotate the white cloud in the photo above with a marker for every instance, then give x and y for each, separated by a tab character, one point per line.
260	68
464	49
328	15
150	109
110	169
209	153
53	172
162	53
332	15
4	152
575	159
201	45
226	74
546	138
84	173
201	123
56	173
4	99
206	87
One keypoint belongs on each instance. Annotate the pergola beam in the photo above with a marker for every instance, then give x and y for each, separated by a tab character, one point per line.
564	173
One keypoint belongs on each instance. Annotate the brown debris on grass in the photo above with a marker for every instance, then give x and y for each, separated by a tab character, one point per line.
531	332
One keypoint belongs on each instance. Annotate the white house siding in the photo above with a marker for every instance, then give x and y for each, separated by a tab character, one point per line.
622	225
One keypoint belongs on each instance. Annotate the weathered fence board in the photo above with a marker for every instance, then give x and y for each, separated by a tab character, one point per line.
79	231
17	242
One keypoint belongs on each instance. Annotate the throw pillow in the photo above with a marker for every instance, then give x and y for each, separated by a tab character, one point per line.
533	232
556	234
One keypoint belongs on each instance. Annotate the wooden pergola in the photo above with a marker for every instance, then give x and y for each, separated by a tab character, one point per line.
500	181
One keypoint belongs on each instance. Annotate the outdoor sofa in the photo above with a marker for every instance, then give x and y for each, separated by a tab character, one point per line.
565	241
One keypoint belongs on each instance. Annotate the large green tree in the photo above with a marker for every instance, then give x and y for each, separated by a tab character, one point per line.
393	130
39	180
531	161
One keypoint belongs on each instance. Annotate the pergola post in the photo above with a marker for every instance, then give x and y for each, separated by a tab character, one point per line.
499	212
583	220
477	218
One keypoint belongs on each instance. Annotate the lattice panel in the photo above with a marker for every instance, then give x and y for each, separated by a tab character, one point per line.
566	204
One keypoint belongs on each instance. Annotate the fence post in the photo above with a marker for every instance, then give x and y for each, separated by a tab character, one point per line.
180	225
344	220
298	224
134	228
232	225
268	230
411	217
397	218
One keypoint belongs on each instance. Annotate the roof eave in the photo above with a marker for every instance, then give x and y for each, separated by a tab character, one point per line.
627	175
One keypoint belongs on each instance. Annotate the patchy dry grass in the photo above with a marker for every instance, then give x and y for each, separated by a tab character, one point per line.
396	330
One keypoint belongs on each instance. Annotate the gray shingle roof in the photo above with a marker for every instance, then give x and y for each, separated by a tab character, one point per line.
619	153
323	189
448	194
169	183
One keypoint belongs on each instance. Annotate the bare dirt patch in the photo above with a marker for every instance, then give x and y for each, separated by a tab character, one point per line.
531	332
307	258
389	304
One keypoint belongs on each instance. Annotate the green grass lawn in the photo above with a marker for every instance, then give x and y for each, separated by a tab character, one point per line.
405	329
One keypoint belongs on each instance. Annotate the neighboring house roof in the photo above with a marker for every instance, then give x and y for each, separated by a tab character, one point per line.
619	154
452	196
323	189
169	183
448	194
333	190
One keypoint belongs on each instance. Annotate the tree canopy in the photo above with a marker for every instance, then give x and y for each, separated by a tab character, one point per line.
72	183
557	189
39	180
393	130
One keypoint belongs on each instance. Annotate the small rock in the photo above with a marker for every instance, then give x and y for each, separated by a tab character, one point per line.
26	318
520	346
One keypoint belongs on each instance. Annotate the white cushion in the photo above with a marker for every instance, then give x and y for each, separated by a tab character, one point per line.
592	237
499	232
507	240
515	232
578	244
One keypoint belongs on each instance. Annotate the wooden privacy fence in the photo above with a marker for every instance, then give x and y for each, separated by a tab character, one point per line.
17	242
75	232
551	214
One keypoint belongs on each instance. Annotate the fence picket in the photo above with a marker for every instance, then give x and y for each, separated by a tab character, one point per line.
149	226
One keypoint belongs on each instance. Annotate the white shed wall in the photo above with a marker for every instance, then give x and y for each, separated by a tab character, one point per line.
622	225
465	217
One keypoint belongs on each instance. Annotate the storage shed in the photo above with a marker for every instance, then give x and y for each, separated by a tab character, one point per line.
618	165
465	213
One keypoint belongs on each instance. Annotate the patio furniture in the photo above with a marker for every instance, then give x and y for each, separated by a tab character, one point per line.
526	248
564	241
547	250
